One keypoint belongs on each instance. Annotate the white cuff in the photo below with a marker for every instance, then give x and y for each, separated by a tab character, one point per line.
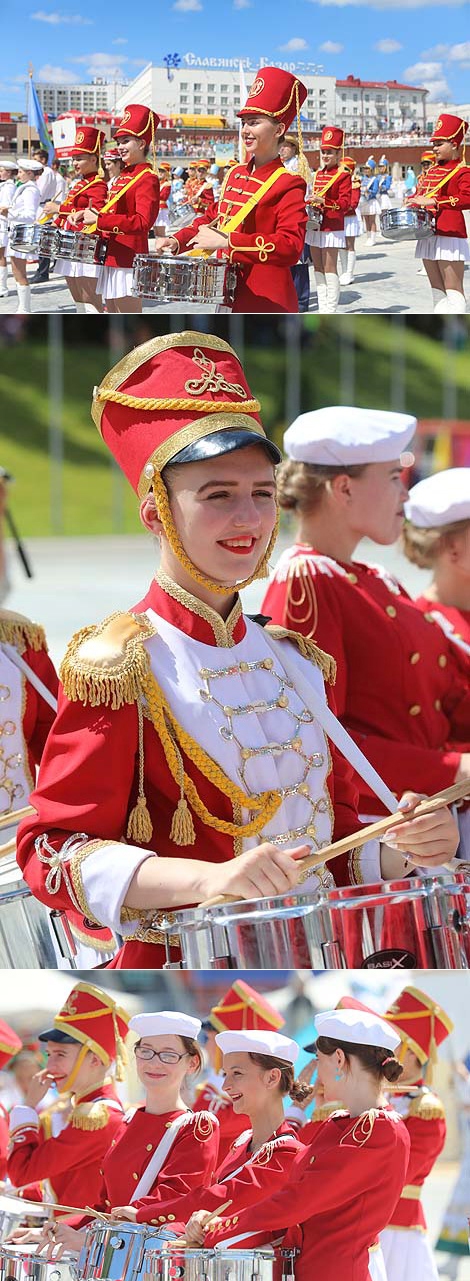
21	1116
294	1113
367	863
106	874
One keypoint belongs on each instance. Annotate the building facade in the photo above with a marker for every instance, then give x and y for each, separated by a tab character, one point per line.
374	106
99	95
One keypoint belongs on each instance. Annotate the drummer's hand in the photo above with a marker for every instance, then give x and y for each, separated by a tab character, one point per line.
307	1072
463	771
429	840
167	242
261	872
56	1238
194	1230
208	238
317	202
25	1236
76	216
88	217
51	207
39	1085
124	1212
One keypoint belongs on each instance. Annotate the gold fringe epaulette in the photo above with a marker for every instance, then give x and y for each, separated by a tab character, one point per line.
308	649
427	1107
19	631
106	665
90	1116
322	1113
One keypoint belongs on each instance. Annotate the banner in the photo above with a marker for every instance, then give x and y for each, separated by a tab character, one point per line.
224	153
63	133
37	122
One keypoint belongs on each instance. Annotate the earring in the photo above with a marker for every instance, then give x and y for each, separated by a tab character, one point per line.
339	1076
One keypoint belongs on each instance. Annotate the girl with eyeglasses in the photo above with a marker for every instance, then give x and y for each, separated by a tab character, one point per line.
162	1147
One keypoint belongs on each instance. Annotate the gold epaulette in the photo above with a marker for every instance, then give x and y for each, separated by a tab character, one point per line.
19	631
427	1107
322	1113
106	664
308	649
90	1116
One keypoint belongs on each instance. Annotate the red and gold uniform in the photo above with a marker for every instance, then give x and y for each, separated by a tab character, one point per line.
119	805
268	241
455	622
407	724
448	182
26	716
188	1166
165	186
338	193
241	1007
10	1044
67	1164
427	159
127	224
89	192
192	182
423	1026
339	1195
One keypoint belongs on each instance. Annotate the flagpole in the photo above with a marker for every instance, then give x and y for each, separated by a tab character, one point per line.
30	75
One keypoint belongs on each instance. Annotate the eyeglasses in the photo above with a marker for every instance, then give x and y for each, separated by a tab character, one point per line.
165	1056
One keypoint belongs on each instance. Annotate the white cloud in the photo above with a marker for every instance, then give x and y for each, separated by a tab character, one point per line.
242	4
430	76
120	40
56	75
9	88
388	46
294	45
460	52
187	6
108	65
330	46
55	18
389	4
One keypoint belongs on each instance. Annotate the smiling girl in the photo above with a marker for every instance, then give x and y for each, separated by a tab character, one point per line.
183	762
89	190
445	191
259	222
331	195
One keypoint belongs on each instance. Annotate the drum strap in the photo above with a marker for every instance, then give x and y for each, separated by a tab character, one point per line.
333	727
242	214
329	184
159	1156
446	179
69	199
88	231
24	667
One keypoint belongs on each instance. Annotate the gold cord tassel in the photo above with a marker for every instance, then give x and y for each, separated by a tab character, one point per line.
182	826
139	827
121	1052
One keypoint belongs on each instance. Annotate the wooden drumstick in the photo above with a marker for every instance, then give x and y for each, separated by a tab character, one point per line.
75	1209
457	792
182	1242
7	820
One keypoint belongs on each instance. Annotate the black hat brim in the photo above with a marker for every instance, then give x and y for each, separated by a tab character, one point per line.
225	442
310	1049
61	1038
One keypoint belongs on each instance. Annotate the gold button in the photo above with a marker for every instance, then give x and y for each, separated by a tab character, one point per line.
391	611
312	1158
414	710
283	700
268	663
107	1202
296	744
161	1218
311	830
134	1175
245	753
171	1218
429	618
149	1147
244	667
442	660
101	1171
415	658
235	1218
303	789
352	578
154	1220
438	705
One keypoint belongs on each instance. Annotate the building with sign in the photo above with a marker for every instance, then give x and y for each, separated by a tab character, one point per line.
100	95
374	106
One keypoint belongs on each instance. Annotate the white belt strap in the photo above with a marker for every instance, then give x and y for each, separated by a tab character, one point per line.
39	685
332	726
159	1156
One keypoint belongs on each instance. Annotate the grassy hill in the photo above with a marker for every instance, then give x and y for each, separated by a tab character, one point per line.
93	498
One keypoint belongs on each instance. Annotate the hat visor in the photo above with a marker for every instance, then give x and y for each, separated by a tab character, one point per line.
311	1048
55	1034
225	442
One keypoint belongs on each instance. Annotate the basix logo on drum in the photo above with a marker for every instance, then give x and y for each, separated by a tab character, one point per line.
392	958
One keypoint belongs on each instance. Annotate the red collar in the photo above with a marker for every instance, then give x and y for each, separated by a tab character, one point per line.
191	616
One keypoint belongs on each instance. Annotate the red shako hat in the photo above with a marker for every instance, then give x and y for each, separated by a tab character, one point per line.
421	1023
10	1043
139	122
244	1008
450	129
332	137
91	1017
275	93
88	141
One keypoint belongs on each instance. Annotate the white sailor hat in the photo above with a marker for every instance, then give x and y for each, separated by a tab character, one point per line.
258	1042
440	499
8	164
30	166
164	1022
357	1027
343	436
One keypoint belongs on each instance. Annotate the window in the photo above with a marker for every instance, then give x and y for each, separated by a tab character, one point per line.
224	102
343	97
212	88
366	111
196	87
355	111
366	97
198	98
354	97
224	88
210	101
344	110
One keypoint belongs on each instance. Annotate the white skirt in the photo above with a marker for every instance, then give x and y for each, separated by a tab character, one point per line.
385	202
447	248
370	208
115	282
408	1255
377	1264
353	225
65	267
3	232
326	239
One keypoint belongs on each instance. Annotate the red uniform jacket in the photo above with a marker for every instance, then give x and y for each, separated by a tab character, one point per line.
190	1163
451	199
85	193
340	1190
355	197
4	1136
211	1098
267	244
337	199
399	689
459	619
425	1121
165	193
260	1175
129	221
69	1163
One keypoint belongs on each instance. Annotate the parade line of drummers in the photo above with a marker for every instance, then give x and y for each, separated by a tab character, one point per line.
198	751
269	220
233	1160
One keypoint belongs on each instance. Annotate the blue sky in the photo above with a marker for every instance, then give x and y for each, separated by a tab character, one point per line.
416	41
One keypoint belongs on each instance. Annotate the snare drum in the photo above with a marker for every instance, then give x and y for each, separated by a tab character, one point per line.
219	1264
23	1263
49	242
183	279
15	1212
76	246
25	236
115	1252
414	923
407	224
31	936
315	219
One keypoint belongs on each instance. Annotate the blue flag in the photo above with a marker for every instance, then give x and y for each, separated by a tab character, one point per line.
36	121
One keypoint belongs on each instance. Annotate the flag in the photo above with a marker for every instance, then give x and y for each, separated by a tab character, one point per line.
243	98
36	121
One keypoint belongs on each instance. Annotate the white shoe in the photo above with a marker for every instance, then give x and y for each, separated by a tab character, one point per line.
91	310
332	292
439	301
24	300
320	283
348	277
342	263
3	282
456	302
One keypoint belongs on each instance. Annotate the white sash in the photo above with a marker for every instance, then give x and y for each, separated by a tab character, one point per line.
159	1156
333	727
31	676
